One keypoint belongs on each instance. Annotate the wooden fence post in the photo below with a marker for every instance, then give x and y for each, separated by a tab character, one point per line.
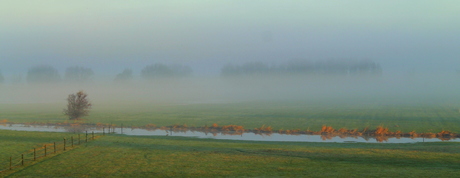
45	150
71	139
64	144
54	147
79	139
22	159
34	154
86	140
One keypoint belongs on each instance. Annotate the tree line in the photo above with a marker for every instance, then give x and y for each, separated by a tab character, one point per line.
45	74
79	74
319	67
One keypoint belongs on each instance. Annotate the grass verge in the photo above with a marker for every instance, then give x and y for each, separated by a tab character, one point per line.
250	115
128	156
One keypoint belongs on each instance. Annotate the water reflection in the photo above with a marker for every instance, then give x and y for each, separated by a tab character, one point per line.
215	134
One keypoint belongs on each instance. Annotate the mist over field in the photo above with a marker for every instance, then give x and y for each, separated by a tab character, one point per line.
359	89
234	51
236	88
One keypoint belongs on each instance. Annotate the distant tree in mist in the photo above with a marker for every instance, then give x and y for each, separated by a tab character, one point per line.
181	70
42	74
365	67
2	79
124	76
16	79
156	70
78	74
245	69
78	106
159	70
318	68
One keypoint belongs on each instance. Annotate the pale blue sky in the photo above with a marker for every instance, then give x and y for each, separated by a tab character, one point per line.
412	35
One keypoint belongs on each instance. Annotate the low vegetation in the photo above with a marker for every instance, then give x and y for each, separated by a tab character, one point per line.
274	115
14	143
128	156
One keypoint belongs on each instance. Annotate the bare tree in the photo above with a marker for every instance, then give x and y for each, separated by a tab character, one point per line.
77	106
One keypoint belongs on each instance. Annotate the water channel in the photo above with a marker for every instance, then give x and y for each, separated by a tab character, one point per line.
225	136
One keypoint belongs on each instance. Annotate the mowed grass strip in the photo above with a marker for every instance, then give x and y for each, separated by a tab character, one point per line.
278	115
14	143
128	156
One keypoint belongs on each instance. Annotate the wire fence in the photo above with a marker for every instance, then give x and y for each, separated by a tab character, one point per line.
47	150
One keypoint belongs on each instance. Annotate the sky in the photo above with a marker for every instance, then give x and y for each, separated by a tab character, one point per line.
110	35
416	44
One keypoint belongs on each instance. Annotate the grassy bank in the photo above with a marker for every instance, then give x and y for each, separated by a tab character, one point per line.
127	156
14	143
279	115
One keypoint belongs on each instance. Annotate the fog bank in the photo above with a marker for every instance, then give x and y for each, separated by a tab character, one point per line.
385	89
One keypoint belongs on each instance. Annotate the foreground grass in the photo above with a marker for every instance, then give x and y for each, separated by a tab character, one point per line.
14	143
128	156
279	115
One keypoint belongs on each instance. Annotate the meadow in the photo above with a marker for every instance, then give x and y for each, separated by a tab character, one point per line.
14	143
156	156
166	156
279	115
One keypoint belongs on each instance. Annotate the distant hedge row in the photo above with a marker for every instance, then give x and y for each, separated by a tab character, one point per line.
320	67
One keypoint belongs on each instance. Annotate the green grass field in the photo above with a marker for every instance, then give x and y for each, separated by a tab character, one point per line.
279	115
14	143
155	156
127	156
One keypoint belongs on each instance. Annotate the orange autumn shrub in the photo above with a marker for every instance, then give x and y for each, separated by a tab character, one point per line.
150	126
413	134
381	131
264	129
327	129
232	128
429	135
444	133
342	130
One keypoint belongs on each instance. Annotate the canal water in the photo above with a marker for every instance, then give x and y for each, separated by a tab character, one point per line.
226	136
